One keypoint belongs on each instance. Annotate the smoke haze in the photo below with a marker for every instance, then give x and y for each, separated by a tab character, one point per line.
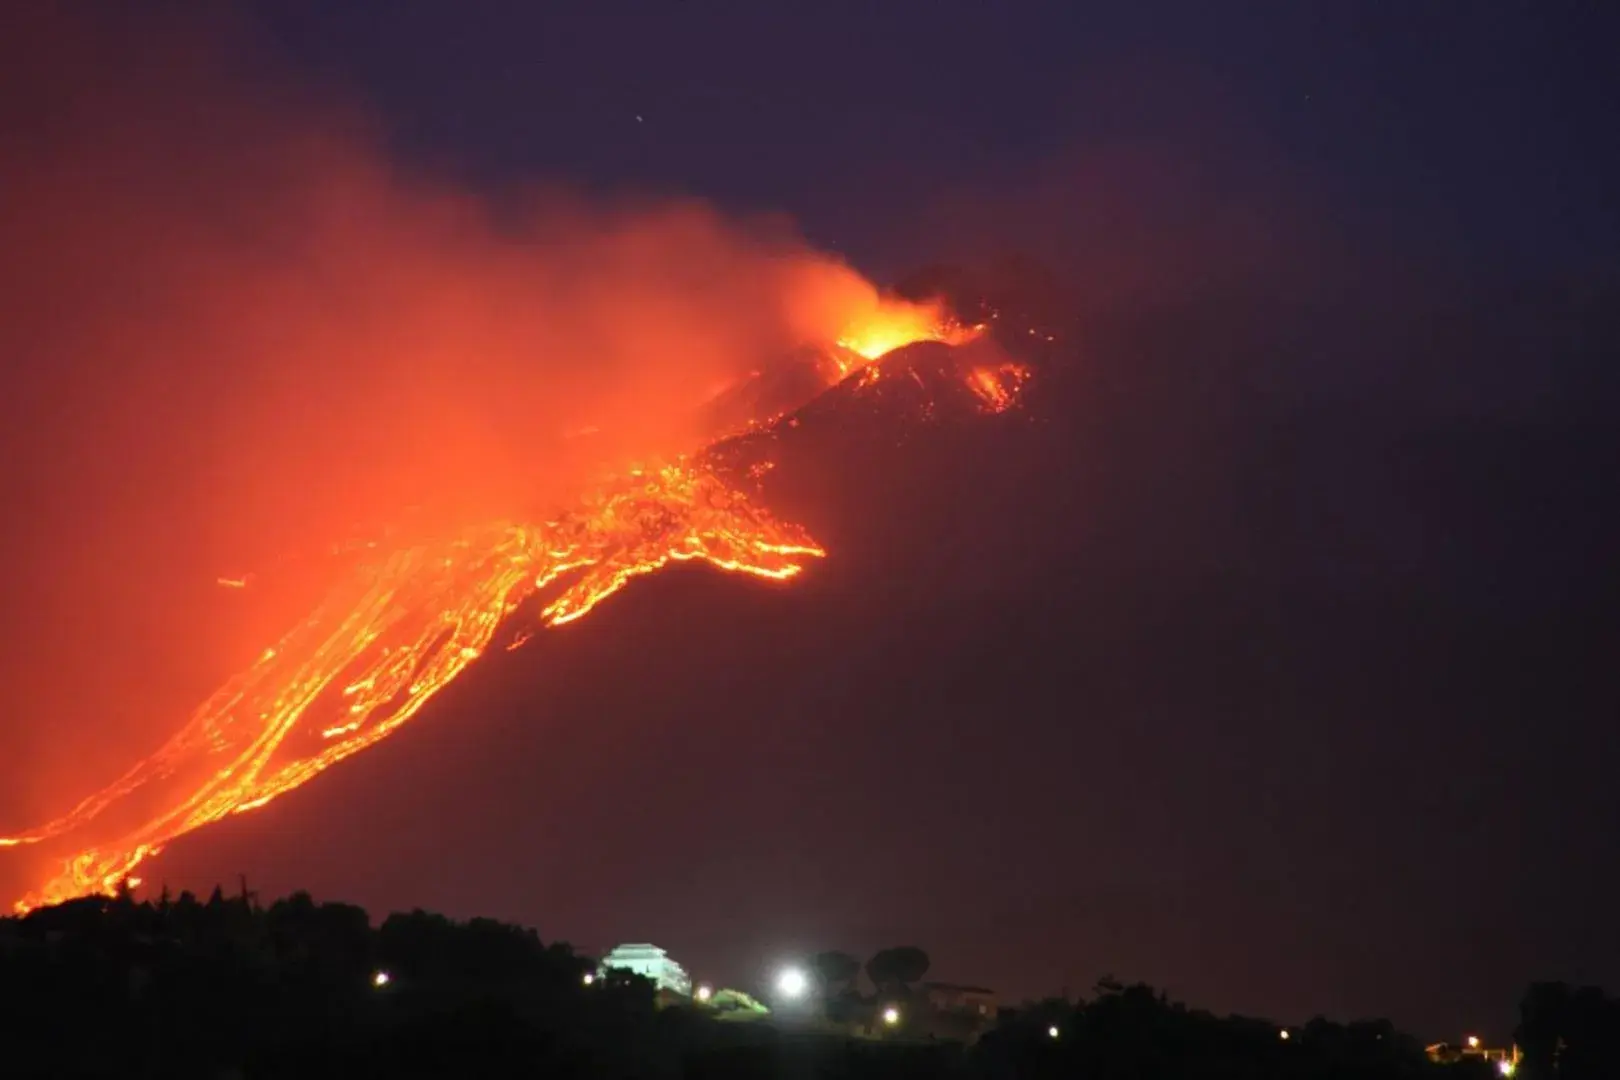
233	331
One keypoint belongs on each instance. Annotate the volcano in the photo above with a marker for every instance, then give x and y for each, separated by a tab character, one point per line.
411	618
1087	671
889	399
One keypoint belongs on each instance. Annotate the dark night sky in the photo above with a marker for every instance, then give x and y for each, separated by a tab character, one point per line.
1275	664
1482	131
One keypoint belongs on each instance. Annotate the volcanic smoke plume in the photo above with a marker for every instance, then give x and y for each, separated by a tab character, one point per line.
235	336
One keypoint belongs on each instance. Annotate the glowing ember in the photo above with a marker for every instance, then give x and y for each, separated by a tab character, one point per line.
404	624
998	387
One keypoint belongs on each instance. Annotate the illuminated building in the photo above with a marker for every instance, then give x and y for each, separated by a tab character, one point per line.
961	999
1507	1060
650	962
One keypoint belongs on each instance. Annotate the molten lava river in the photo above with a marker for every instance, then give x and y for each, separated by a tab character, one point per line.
403	624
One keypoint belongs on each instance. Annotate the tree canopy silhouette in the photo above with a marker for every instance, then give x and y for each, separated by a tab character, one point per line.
893	970
836	970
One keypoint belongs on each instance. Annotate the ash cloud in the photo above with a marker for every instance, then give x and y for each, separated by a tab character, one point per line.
233	329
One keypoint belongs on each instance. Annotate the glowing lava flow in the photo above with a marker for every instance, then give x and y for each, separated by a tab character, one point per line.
401	627
998	386
386	640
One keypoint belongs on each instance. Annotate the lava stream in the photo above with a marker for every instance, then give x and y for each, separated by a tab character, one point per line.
405	623
388	638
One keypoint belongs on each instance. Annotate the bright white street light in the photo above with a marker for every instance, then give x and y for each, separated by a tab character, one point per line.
1052	1032
792	983
589	978
704	993
1506	1068
380	979
891	1016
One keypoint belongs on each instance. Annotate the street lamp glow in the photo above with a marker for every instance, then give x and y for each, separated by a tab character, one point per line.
380	979
589	978
1506	1068
1052	1032
792	983
891	1016
704	993
1473	1042
1283	1035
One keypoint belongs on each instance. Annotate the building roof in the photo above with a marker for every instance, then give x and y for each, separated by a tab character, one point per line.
637	949
958	988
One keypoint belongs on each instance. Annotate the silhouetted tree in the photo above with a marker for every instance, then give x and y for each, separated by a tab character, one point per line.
1591	1036
893	970
836	970
1543	1016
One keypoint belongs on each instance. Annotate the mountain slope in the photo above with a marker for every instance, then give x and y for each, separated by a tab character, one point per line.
1074	684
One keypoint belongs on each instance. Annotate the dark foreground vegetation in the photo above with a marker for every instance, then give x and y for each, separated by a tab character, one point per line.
230	988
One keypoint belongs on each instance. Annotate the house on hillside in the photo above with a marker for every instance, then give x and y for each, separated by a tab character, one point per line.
1506	1058
961	1013
650	962
951	998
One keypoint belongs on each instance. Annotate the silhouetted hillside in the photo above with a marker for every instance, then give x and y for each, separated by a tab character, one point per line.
227	987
